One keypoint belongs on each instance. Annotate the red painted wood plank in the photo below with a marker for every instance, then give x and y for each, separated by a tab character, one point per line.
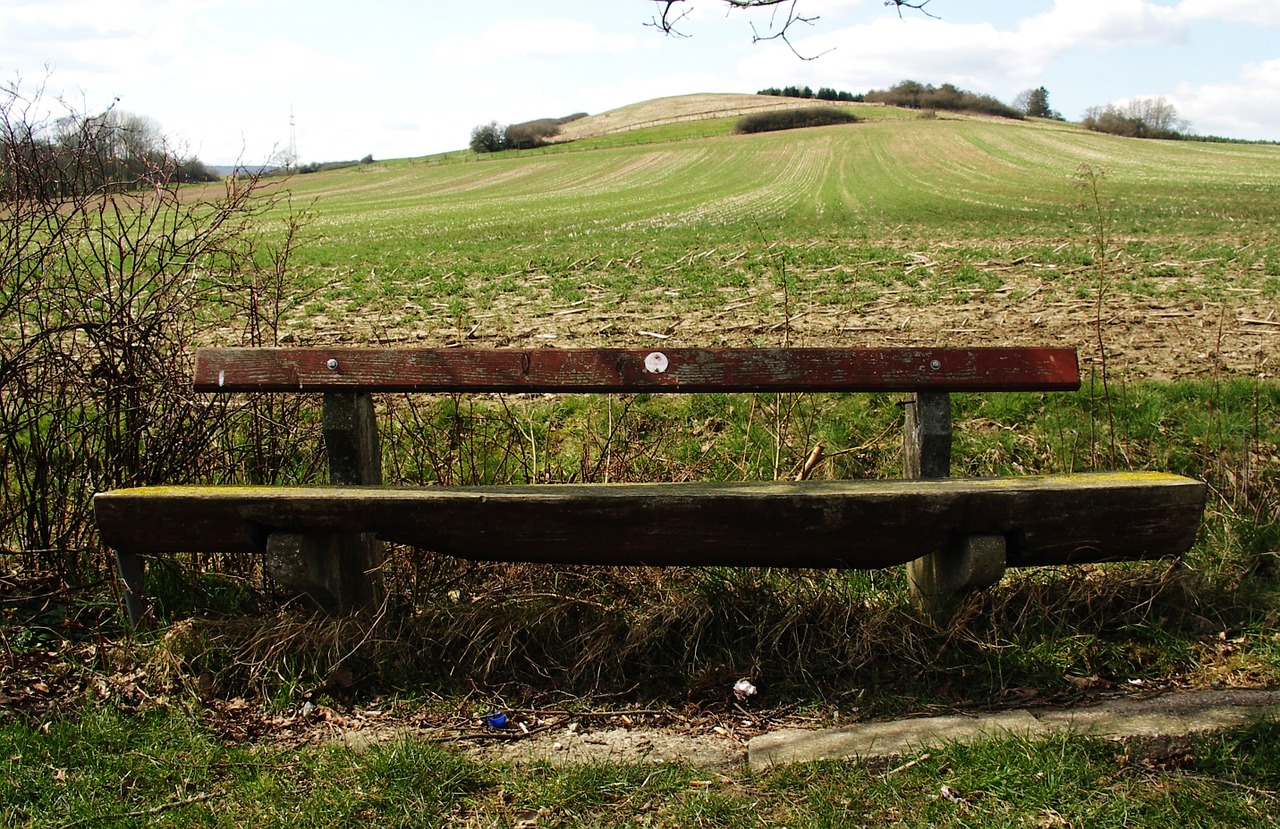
637	370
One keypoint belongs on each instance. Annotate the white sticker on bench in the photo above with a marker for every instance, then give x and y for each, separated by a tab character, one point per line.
656	363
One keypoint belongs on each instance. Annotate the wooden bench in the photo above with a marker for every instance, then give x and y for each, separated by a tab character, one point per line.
955	534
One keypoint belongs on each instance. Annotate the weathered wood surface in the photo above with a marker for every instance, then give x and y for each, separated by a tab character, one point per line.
939	579
926	436
351	440
604	370
855	524
345	569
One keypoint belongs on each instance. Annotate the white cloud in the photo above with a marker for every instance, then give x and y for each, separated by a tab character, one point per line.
888	50
831	7
1072	24
129	18
1258	12
105	48
1248	107
543	38
279	64
701	12
978	56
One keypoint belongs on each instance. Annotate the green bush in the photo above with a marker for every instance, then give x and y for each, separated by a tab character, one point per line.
488	138
792	119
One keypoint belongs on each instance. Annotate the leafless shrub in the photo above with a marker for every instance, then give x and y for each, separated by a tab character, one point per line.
1139	118
108	272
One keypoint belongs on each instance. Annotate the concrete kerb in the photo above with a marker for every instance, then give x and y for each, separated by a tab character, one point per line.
1169	717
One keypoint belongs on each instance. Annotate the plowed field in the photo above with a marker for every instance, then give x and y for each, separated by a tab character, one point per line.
902	229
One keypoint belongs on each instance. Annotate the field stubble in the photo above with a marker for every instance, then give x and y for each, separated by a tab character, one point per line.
1178	325
964	232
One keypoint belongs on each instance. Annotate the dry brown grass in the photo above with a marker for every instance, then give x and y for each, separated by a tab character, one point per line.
529	631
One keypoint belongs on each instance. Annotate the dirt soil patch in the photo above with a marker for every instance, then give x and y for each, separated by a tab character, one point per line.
1164	338
1144	718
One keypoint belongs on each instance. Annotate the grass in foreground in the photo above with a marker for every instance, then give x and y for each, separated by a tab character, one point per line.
162	769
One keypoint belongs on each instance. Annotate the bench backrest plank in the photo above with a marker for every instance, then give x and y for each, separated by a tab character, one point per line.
605	370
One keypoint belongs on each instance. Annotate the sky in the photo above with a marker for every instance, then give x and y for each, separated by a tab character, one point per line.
234	81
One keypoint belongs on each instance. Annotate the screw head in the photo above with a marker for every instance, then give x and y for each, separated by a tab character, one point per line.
656	363
332	364
935	364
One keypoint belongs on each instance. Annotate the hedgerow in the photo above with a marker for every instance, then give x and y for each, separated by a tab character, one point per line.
791	119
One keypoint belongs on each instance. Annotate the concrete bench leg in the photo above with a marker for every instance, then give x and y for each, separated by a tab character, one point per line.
339	571
306	565
939	581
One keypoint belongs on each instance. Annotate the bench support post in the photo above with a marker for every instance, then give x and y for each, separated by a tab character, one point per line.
351	440
308	563
131	568
941	579
337	570
355	459
926	436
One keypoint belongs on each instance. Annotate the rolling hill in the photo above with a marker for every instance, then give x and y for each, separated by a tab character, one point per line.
905	225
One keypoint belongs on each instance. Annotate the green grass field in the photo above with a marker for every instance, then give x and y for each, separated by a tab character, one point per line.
593	244
1159	261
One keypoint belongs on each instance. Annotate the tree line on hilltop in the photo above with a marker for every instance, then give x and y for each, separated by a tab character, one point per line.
824	93
911	95
1139	118
325	166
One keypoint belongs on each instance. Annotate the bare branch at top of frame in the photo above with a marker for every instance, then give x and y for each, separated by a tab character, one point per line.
671	14
920	7
781	32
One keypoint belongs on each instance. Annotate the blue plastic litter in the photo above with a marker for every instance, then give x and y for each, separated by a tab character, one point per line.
496	720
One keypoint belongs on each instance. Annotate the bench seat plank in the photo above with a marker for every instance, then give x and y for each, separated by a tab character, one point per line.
846	524
604	370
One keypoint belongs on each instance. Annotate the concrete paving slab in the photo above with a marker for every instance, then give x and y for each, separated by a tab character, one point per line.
1168	716
884	739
